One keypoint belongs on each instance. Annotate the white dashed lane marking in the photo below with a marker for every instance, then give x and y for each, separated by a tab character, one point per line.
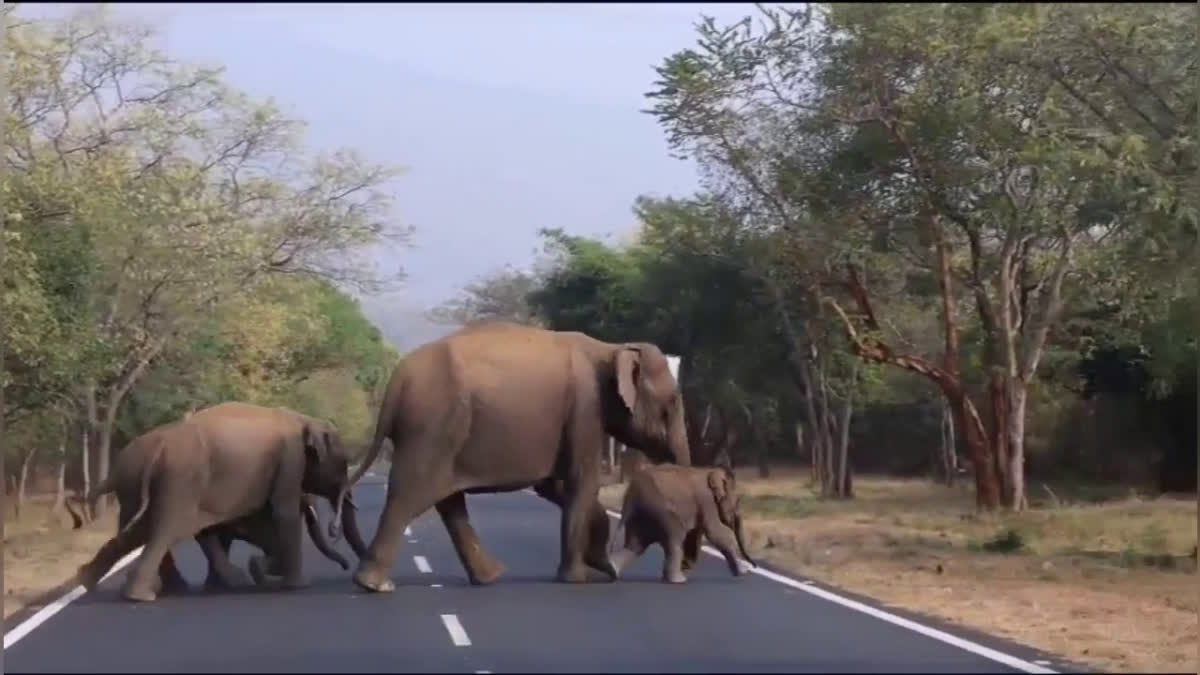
457	634
422	564
435	585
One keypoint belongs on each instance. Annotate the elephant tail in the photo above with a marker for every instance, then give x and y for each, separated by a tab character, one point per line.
383	424
144	496
87	501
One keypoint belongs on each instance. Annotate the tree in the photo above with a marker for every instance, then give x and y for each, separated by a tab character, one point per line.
941	137
500	296
182	193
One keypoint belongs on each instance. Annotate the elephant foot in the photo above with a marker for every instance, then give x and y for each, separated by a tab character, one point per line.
87	578
675	578
294	583
373	579
174	585
573	574
488	573
136	594
602	565
258	570
742	567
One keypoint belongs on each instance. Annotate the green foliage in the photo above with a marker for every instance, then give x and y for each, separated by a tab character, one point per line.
171	244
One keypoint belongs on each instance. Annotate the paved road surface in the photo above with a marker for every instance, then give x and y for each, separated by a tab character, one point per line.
436	622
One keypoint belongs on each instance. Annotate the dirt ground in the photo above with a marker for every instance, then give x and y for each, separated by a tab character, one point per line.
41	551
1107	582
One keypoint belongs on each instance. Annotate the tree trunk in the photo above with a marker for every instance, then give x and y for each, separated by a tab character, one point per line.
23	480
843	489
949	456
86	466
1018	395
60	486
998	393
947	378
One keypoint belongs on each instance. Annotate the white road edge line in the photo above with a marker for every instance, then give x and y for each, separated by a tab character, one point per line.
927	631
43	615
422	564
457	635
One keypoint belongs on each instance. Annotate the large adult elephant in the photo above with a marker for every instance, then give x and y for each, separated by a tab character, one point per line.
497	407
221	464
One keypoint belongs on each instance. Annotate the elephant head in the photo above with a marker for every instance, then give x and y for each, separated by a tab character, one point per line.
327	467
722	483
647	412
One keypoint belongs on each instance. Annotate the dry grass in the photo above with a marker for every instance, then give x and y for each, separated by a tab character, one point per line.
1110	583
41	551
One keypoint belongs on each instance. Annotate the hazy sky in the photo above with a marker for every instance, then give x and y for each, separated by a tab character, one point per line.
508	118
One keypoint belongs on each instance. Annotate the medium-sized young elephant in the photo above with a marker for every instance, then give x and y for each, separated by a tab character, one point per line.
665	503
221	464
259	530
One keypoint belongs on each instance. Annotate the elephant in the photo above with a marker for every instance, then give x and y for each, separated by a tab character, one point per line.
221	464
257	530
498	407
664	503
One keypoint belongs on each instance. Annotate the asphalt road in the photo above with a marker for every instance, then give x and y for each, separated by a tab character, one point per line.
525	622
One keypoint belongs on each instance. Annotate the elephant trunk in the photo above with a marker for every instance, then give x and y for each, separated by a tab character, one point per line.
741	540
350	527
314	530
677	437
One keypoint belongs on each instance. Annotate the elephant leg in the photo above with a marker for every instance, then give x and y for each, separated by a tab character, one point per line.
635	546
261	567
170	516
673	559
222	573
413	486
481	567
581	490
90	573
723	539
599	527
691	549
170	580
121	545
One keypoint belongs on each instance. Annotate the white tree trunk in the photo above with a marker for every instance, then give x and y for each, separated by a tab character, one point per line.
23	480
60	487
86	465
1017	396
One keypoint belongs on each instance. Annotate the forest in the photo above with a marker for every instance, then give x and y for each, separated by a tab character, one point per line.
169	243
931	240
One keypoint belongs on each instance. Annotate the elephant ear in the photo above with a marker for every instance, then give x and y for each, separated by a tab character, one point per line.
720	482
628	367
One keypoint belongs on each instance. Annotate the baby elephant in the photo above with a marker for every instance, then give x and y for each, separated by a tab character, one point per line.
666	502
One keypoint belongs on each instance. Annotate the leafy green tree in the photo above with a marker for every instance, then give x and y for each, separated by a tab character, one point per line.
944	138
143	197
